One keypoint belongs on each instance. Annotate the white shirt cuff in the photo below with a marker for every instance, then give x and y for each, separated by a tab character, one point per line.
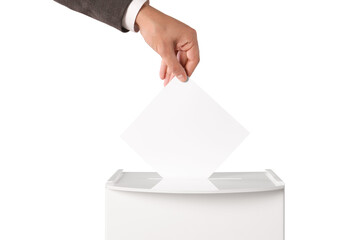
131	13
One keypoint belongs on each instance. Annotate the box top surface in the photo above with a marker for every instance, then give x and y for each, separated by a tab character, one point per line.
219	182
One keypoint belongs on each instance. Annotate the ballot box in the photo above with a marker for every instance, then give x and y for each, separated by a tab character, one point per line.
230	206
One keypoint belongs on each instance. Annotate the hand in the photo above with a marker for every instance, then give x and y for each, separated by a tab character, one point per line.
174	41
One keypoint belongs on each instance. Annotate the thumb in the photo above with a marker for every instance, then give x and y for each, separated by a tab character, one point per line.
175	67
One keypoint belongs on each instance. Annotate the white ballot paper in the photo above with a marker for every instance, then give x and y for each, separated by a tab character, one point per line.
184	134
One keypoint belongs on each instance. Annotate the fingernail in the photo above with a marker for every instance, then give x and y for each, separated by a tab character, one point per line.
181	78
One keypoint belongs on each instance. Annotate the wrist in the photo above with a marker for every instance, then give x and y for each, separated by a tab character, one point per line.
144	15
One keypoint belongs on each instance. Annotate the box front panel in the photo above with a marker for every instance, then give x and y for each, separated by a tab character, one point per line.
247	216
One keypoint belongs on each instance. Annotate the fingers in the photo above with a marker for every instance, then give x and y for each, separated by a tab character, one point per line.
174	66
169	77
163	69
182	58
165	73
180	64
193	59
190	47
166	81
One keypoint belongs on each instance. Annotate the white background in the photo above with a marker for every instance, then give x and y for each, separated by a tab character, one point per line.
289	71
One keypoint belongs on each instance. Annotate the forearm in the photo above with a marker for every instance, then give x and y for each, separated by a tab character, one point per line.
110	12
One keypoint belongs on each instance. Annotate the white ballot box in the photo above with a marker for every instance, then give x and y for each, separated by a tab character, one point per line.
230	206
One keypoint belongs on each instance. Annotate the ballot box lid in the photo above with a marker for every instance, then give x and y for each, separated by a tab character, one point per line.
217	183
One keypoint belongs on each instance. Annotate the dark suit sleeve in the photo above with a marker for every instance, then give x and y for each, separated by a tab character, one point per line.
110	12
